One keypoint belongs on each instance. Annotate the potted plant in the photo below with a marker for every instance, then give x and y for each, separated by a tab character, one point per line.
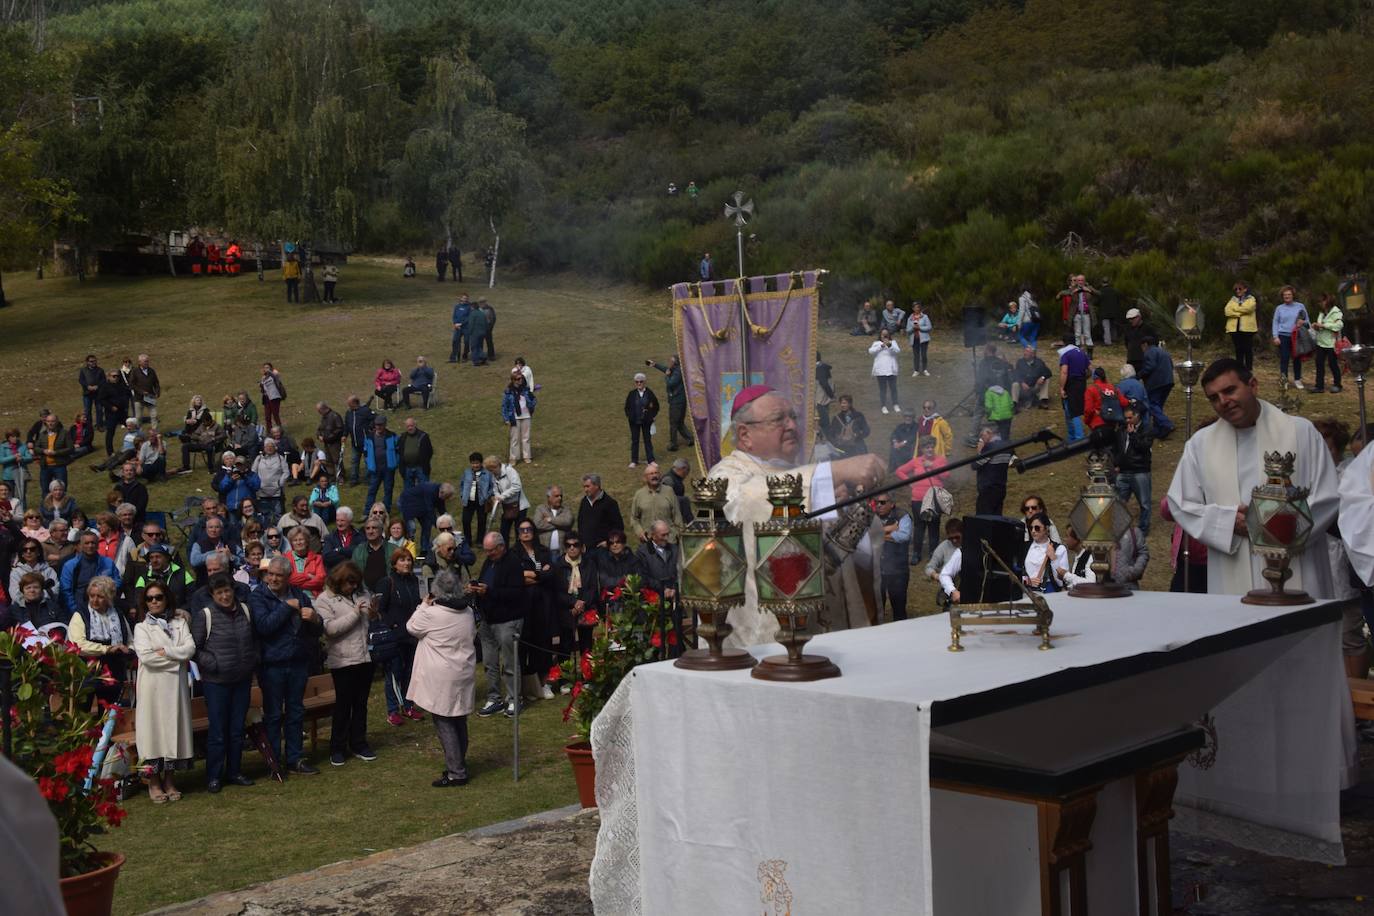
56	732
630	631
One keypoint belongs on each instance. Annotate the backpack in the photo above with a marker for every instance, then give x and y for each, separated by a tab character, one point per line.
1111	411
1034	311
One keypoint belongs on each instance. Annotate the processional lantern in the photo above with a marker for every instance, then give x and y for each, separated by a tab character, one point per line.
1279	522
789	574
1100	519
713	574
1355	304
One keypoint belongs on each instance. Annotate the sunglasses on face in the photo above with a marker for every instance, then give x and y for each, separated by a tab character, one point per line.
1030	508
1037	527
574	544
616	543
446	529
151	598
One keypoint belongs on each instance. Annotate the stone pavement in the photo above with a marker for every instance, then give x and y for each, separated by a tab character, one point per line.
532	867
538	866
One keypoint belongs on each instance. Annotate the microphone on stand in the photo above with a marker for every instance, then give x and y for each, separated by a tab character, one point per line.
1101	438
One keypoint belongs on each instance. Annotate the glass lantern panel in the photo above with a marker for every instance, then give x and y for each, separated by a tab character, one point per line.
714	571
789	566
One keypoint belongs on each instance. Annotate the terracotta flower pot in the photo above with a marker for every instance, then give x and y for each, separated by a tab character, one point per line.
92	894
584	771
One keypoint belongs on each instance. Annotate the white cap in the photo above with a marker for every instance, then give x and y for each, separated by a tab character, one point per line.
1132	313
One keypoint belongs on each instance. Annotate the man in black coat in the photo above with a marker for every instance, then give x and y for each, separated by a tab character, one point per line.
598	514
132	491
501	598
657	558
357	426
641	406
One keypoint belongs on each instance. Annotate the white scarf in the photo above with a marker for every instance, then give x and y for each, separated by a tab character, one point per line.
105	627
1275	432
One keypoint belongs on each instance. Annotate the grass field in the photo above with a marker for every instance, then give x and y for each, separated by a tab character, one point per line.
583	341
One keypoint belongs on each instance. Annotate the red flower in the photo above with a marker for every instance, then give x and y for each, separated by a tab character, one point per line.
649	595
54	790
587	665
555	673
576	689
656	640
567	712
74	763
672	637
589	619
619	590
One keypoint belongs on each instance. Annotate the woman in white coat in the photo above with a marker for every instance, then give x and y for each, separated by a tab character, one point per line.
445	673
884	352
162	716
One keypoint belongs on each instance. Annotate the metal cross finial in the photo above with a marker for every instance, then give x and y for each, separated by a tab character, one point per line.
741	210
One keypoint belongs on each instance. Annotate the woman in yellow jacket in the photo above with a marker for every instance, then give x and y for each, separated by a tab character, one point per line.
1242	323
291	273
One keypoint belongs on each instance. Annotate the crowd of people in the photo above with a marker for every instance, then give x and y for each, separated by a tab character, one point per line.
272	586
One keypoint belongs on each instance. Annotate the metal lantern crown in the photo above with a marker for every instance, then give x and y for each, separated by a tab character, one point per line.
713	564
1279	519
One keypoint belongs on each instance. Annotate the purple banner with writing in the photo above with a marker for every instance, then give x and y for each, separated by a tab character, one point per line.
776	320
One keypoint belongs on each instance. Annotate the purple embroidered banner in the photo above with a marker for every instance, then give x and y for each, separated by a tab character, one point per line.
778	316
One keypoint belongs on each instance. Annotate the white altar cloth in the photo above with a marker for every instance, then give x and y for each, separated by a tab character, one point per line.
720	793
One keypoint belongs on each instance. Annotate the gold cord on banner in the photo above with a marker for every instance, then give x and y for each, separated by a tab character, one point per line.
723	333
759	330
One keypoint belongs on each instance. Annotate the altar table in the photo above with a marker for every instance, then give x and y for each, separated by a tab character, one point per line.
720	793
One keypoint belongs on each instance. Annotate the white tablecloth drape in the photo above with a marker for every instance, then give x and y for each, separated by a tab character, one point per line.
720	793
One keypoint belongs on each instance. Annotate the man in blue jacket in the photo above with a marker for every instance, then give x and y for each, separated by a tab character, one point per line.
459	350
421	504
285	623
381	452
85	565
237	484
1157	374
474	490
421	383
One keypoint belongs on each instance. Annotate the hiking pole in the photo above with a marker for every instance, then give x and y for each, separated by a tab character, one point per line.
515	762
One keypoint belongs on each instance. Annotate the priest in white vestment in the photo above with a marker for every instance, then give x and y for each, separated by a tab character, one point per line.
1278	750
1223	462
766	444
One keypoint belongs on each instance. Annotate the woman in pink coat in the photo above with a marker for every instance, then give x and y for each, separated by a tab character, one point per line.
386	382
445	672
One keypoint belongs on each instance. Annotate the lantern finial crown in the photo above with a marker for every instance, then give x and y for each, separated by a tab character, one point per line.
784	489
711	492
1279	464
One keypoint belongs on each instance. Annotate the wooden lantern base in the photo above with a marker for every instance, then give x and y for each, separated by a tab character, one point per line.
1099	590
706	660
1271	598
807	668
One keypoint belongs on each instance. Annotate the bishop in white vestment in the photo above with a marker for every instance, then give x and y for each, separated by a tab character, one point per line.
766	444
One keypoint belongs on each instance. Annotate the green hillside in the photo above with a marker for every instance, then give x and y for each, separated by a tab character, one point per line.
946	149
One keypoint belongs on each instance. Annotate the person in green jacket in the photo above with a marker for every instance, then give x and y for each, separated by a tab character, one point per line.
999	408
677	402
1327	332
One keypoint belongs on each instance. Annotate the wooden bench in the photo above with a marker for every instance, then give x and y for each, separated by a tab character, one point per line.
1362	694
319	704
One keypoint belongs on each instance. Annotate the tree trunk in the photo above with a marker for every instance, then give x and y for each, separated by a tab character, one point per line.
171	264
495	253
3	301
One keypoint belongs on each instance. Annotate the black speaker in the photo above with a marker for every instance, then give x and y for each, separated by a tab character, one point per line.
982	580
975	326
